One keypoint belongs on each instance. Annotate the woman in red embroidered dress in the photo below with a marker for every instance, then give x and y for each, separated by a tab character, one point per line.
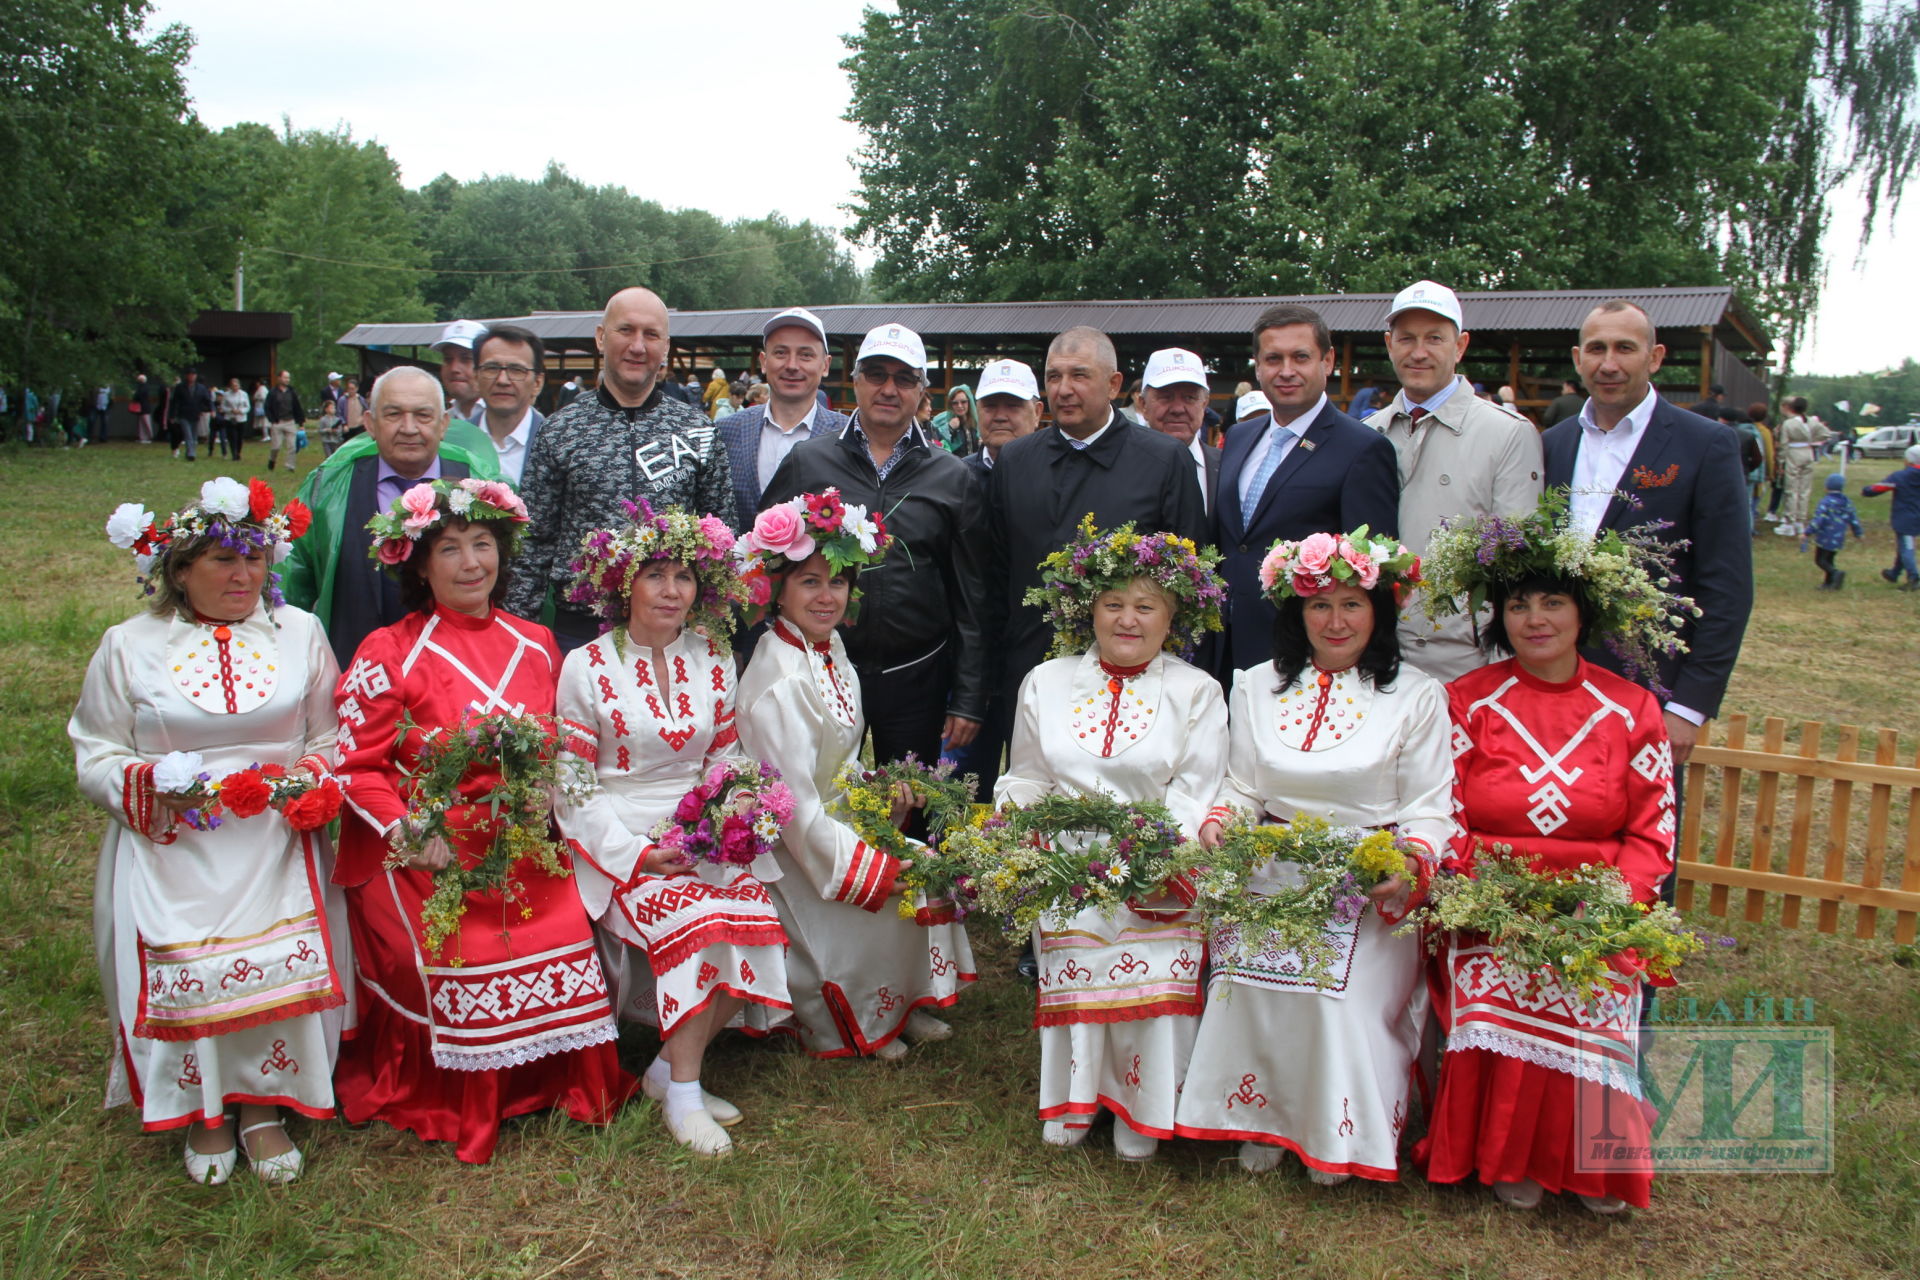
1568	764
510	1014
650	706
222	953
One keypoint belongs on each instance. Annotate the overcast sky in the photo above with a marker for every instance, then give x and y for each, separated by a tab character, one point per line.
732	108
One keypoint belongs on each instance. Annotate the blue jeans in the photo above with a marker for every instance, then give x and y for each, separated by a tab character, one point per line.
1903	548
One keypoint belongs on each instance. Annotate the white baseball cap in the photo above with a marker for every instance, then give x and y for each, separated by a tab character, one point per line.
896	342
1164	368
1249	404
460	333
333	377
796	316
1425	295
1007	378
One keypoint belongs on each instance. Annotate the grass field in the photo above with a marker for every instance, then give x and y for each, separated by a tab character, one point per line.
930	1168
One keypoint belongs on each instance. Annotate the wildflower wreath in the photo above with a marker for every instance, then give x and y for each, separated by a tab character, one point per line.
1023	867
609	559
398	530
936	875
235	516
1072	578
1582	926
1321	561
1337	866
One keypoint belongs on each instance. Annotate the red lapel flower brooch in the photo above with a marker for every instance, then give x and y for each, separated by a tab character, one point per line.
1645	479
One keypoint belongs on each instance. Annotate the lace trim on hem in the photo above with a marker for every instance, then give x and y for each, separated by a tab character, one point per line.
520	1055
1584	1066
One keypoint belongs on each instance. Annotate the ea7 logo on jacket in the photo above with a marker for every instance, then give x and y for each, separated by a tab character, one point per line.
658	459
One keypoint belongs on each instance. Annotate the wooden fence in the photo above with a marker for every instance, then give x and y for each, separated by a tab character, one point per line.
1736	789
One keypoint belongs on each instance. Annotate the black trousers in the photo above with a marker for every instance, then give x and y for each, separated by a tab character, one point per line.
1823	559
906	704
982	756
573	628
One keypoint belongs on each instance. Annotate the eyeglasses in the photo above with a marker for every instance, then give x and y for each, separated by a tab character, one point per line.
905	379
517	372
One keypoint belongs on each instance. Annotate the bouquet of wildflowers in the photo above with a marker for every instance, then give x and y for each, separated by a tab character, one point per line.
947	802
1022	869
305	802
1336	867
732	817
1581	926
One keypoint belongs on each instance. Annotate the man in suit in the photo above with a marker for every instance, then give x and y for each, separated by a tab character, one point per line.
794	357
328	571
1091	461
1173	396
1461	457
1565	405
510	363
1302	467
1631	458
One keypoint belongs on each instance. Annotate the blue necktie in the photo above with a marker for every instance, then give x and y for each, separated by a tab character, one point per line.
1276	437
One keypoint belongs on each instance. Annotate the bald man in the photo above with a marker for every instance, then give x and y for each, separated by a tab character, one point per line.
1090	461
625	442
328	572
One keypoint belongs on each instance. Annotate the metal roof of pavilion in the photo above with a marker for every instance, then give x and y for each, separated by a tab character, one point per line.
1684	307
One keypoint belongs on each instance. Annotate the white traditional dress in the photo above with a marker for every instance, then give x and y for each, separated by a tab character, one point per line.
855	967
1326	1074
1119	994
708	933
222	953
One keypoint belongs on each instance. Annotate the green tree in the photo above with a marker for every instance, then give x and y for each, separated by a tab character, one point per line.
101	262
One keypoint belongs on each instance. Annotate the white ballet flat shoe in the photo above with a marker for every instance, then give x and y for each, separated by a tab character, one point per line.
279	1169
1518	1195
724	1113
924	1028
1129	1145
1321	1178
1605	1206
1057	1133
210	1170
1259	1157
892	1051
697	1132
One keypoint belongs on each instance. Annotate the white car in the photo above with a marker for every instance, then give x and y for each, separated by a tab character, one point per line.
1888	442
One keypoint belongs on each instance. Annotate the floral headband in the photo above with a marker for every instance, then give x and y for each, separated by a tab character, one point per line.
1319	562
609	560
1627	577
1072	578
398	530
239	517
793	531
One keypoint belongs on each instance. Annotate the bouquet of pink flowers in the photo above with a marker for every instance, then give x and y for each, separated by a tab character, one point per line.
732	817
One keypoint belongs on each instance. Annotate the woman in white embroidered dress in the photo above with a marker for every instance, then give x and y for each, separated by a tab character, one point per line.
860	974
1121	713
650	706
222	951
1335	727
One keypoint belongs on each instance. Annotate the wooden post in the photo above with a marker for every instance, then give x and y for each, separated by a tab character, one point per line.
1729	812
1513	367
1839	819
1346	371
1706	361
1802	832
1879	810
1760	851
1903	924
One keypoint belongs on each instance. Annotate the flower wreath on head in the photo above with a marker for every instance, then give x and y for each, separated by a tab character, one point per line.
1072	578
398	530
1627	577
239	517
609	560
1319	562
792	532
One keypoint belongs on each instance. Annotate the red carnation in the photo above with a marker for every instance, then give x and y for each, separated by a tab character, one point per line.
313	809
298	518
273	771
259	498
245	793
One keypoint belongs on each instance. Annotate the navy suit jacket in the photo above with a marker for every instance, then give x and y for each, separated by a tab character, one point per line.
1341	475
741	432
1686	471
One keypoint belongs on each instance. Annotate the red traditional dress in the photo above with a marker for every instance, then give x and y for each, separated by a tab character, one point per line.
222	952
511	1015
650	736
1566	774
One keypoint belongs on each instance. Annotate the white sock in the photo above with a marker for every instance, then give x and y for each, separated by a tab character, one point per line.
683	1099
659	1072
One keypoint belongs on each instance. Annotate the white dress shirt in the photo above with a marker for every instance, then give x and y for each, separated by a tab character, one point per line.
1601	461
513	450
777	442
1200	473
1279	439
1088	442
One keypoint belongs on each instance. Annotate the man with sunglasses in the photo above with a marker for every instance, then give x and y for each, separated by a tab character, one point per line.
918	648
510	365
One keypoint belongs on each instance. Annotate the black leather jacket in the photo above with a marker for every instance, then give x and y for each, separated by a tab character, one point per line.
931	590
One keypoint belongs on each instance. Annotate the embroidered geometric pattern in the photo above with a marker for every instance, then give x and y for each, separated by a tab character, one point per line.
508	996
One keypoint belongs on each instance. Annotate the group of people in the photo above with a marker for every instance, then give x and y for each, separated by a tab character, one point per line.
412	586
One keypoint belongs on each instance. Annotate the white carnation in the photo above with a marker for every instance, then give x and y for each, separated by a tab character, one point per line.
460	501
177	770
225	496
128	521
281	550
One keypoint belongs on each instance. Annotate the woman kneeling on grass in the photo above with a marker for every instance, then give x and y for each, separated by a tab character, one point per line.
1120	713
221	948
649	706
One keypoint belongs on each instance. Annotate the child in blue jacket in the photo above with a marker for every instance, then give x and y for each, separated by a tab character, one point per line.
1828	529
